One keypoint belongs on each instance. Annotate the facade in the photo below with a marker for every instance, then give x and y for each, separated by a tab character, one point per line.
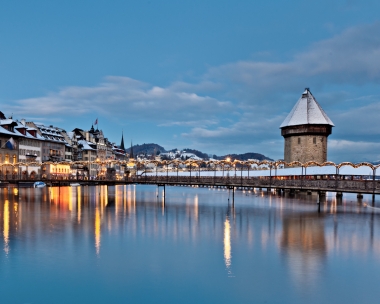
30	149
305	131
8	153
54	144
57	171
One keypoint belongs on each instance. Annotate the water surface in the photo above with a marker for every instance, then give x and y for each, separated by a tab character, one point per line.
129	244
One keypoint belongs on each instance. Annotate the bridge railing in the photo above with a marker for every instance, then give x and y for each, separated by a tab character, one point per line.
262	182
327	184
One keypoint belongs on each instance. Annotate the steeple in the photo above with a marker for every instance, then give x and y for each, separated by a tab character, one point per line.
92	129
131	152
122	142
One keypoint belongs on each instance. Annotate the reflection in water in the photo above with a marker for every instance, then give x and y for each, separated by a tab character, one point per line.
262	228
97	230
303	240
6	226
227	243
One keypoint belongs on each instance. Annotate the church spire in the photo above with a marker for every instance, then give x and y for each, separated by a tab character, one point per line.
131	152
122	142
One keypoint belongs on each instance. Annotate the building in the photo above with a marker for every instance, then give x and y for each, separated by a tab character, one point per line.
30	149
8	145
54	144
305	131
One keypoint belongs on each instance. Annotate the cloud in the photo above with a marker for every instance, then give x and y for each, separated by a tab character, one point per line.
127	98
351	57
238	107
356	151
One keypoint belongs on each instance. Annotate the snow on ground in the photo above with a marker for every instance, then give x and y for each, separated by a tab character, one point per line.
328	170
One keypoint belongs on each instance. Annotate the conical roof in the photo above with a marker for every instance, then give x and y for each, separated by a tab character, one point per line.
307	111
122	142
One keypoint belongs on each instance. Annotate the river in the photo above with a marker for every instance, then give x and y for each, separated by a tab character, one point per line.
129	244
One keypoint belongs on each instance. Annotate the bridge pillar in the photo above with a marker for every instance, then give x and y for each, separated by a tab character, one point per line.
292	191
359	195
321	197
309	192
339	194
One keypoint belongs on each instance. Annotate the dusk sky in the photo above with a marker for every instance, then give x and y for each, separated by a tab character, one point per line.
218	76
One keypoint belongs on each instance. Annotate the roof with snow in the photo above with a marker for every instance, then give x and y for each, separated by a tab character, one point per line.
86	145
307	111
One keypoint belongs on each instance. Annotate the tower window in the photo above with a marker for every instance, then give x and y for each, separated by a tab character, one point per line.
314	140
299	140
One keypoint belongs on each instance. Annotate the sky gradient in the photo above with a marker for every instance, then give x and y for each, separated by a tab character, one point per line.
218	76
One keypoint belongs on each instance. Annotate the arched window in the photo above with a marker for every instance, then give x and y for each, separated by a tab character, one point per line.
14	159
7	158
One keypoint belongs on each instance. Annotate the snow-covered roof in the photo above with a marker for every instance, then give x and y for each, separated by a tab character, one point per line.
307	111
86	145
5	131
6	121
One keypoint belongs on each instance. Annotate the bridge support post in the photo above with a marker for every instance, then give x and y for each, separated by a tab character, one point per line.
339	194
233	194
161	185
308	192
359	196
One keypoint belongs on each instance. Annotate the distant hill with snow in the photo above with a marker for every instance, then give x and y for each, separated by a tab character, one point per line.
151	150
244	156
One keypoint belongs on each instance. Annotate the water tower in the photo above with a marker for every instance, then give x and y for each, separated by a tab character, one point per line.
305	131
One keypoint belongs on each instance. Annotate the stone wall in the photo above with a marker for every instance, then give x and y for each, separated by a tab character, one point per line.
304	148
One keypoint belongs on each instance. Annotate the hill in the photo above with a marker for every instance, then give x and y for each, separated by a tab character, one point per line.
155	149
146	149
245	156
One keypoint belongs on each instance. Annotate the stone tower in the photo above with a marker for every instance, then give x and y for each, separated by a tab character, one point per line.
305	130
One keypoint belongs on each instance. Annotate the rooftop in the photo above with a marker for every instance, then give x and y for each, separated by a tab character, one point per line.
307	111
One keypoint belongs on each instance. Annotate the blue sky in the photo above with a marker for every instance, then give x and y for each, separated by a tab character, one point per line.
219	76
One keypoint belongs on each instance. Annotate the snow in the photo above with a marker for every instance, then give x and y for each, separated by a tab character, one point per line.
328	170
306	111
86	145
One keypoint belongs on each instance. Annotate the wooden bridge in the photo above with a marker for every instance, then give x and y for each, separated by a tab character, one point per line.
338	184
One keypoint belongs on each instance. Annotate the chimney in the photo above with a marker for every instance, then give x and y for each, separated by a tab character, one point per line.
23	122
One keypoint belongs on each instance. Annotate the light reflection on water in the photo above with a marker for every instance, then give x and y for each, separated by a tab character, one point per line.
113	244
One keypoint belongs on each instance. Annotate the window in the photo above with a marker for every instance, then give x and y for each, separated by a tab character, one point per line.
299	140
314	140
7	158
14	159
